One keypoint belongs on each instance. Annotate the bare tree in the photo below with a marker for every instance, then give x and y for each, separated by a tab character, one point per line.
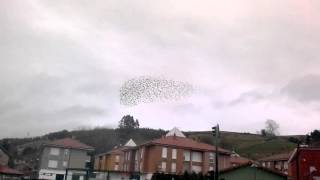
272	127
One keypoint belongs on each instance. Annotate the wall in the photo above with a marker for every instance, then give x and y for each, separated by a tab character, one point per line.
77	158
308	159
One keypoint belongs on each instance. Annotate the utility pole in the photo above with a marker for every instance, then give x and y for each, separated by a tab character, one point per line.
216	134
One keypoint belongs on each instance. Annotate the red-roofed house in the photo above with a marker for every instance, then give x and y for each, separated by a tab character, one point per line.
277	162
173	154
59	155
8	173
111	160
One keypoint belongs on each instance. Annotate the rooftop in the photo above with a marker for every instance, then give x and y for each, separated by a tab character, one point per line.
239	160
278	157
9	171
70	143
175	132
250	164
185	143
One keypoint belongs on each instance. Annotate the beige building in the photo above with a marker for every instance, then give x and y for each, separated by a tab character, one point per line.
112	160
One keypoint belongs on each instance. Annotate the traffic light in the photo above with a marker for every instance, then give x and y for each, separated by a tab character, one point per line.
215	131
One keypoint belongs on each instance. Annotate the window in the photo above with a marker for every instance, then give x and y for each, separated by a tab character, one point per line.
278	165
196	169
141	166
174	153
129	154
173	167
54	151
263	164
163	166
211	157
196	156
269	164
136	156
211	168
65	163
125	156
117	158
141	153
285	165
136	166
52	164
66	152
186	167
186	155
116	167
164	152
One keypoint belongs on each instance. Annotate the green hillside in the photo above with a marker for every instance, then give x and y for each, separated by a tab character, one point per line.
248	145
103	139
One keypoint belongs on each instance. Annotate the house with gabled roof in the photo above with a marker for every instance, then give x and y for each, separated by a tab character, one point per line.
174	154
112	160
277	162
58	155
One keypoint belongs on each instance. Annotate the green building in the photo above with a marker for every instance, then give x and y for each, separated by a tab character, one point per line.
250	172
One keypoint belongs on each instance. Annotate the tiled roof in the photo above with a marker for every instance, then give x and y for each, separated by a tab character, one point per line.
239	160
185	143
70	143
277	157
253	165
7	170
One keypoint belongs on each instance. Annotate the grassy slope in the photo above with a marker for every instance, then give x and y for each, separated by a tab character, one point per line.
248	145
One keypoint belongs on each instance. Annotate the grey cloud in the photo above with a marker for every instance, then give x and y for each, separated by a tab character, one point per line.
188	108
59	60
250	96
304	89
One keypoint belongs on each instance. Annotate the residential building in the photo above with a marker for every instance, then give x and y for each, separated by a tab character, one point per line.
277	162
4	157
304	164
112	160
7	173
249	171
59	155
174	154
236	160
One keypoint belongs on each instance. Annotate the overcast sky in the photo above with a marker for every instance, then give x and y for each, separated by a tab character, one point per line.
63	63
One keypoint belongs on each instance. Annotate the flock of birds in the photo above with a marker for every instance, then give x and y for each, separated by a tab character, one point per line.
148	89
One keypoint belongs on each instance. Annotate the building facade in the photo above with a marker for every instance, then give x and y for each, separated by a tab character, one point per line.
304	164
112	160
173	154
61	154
277	162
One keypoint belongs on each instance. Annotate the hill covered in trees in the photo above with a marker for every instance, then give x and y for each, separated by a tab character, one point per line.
253	146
